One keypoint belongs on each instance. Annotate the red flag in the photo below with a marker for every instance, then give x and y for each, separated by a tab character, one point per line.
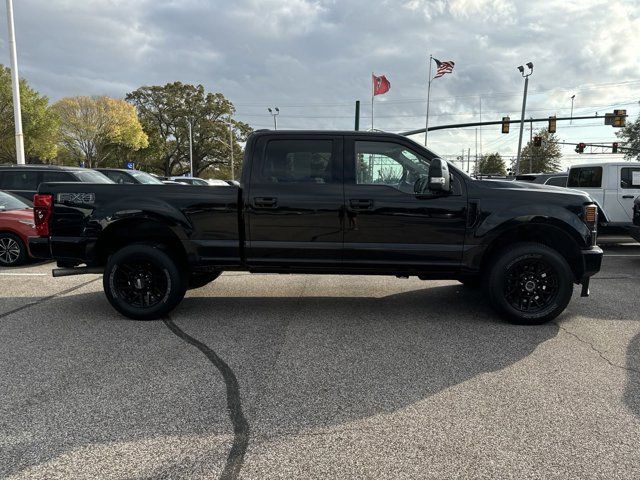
380	85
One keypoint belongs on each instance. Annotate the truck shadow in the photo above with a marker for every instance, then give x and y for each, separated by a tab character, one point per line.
632	392
311	362
301	363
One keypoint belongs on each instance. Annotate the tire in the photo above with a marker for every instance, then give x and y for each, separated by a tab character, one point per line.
143	283
530	284
13	251
200	279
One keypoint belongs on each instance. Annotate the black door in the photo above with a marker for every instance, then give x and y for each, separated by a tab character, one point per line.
295	202
388	226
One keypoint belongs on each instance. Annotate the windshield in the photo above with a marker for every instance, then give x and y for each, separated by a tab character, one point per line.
9	202
91	176
144	177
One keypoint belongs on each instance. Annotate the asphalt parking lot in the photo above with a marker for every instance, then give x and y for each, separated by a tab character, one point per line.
293	376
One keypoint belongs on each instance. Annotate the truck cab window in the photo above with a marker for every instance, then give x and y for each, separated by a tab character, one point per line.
386	163
585	177
300	161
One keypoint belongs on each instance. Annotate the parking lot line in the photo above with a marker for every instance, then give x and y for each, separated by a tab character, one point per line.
23	274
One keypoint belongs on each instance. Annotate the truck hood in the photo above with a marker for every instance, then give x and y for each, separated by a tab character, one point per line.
532	187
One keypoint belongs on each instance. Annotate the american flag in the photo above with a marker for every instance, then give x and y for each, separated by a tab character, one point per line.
443	67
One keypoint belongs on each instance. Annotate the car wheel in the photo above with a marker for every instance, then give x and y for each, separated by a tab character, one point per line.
530	284
143	283
200	279
13	251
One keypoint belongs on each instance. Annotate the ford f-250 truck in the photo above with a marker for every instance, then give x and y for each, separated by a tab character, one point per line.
332	203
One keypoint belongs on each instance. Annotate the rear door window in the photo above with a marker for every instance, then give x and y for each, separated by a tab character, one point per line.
585	177
630	177
19	180
557	181
57	177
300	161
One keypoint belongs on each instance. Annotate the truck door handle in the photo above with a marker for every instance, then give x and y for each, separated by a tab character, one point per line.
265	202
361	204
627	196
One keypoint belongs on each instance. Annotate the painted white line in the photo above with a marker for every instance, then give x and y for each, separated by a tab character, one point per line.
620	255
21	274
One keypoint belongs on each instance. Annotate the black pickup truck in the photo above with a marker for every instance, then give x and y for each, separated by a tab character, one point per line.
332	203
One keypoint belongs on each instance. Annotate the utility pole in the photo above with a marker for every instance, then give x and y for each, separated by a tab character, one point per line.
572	97
476	149
524	106
190	149
357	122
233	176
274	115
15	83
531	145
469	158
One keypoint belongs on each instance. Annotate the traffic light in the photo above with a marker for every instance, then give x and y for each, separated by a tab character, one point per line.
552	124
614	147
619	118
537	141
580	147
505	124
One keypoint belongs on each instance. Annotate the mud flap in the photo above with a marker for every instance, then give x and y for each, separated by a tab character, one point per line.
585	287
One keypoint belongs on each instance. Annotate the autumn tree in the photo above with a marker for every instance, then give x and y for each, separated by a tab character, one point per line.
167	112
39	123
94	130
545	158
491	164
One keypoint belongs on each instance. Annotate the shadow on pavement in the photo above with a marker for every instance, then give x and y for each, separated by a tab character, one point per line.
632	392
301	363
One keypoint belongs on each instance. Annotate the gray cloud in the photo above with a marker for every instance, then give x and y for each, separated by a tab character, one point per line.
314	58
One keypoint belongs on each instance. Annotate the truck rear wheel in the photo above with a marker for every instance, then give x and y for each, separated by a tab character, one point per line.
143	283
530	284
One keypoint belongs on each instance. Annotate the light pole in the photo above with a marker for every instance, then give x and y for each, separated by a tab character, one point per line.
190	149
15	82
524	105
274	115
572	97
231	146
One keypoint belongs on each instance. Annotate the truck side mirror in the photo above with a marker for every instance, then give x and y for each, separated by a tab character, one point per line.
439	176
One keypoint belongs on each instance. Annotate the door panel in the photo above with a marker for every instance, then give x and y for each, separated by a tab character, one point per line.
390	227
295	203
629	189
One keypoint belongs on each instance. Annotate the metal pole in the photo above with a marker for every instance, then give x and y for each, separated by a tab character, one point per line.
476	148
15	83
373	91
231	147
190	150
275	123
357	125
469	159
572	97
524	105
426	126
480	127
531	144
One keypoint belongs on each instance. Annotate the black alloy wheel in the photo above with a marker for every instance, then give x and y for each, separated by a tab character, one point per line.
529	283
143	283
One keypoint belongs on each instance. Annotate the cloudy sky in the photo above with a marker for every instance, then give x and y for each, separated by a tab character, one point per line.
314	58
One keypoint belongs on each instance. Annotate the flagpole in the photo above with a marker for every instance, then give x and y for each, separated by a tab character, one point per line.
426	128
373	86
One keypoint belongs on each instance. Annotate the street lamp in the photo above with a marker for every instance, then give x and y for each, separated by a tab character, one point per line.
15	83
524	105
190	147
274	115
572	98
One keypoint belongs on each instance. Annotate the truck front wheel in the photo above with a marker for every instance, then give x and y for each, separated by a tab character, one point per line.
143	283
530	283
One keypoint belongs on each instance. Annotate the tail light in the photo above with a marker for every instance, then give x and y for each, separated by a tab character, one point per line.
42	209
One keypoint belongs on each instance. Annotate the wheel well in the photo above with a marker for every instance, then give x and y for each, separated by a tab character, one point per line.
549	235
127	232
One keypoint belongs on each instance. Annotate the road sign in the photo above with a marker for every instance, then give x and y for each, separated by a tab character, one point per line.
130	165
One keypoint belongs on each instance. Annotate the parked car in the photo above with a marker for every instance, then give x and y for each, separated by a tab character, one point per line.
16	226
190	180
122	176
612	186
326	202
558	179
23	180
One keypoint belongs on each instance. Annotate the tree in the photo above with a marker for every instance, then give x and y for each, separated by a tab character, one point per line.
94	129
630	134
491	164
166	113
545	158
39	123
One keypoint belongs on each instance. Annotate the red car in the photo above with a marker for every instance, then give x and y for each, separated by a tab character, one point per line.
16	226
